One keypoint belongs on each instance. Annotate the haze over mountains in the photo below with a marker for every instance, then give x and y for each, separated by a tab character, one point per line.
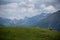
27	21
52	21
43	20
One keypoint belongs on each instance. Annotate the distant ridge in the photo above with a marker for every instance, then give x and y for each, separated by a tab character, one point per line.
51	21
28	21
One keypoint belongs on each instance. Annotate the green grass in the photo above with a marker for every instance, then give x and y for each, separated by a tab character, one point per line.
28	34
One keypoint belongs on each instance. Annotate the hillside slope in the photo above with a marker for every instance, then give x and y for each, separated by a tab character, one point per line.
52	21
28	34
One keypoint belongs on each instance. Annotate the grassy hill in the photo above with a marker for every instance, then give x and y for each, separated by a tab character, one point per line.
28	34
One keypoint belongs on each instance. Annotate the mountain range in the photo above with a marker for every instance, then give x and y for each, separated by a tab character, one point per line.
52	21
44	20
27	21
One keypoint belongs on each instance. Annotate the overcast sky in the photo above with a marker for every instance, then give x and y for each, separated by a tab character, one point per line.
20	9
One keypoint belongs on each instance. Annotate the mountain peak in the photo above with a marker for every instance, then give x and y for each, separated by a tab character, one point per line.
58	11
52	20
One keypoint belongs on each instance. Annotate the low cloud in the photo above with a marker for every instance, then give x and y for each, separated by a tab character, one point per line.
20	9
50	9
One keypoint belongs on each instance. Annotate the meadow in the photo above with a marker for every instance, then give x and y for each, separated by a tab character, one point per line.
17	33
